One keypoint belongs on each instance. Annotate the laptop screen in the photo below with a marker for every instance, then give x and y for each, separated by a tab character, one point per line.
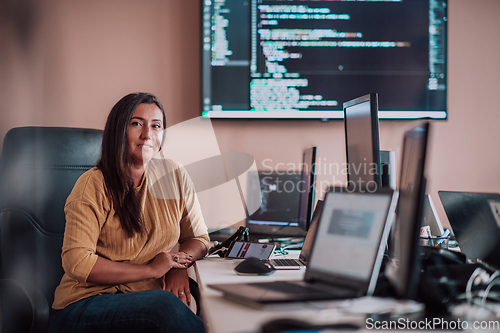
475	222
349	235
308	241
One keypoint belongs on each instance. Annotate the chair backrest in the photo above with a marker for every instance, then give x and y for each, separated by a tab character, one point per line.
38	169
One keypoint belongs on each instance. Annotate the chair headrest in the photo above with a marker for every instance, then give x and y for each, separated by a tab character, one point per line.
56	146
39	167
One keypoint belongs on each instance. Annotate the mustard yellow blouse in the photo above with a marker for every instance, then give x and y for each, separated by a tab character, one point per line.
171	215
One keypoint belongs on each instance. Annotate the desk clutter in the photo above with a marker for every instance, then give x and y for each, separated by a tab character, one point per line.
449	286
372	248
450	291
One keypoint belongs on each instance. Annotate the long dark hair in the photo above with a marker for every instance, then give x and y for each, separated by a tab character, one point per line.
115	162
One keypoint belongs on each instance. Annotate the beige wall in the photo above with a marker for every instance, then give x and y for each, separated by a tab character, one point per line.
66	62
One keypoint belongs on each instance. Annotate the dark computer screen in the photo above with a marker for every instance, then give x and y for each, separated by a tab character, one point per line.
303	59
362	143
404	270
308	188
278	214
305	253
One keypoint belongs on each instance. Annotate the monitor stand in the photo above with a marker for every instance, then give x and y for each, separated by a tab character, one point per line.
275	232
388	164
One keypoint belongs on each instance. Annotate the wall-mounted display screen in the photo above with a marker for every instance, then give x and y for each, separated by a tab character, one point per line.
304	59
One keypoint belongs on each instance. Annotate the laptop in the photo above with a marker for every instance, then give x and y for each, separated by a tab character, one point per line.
281	263
475	220
345	258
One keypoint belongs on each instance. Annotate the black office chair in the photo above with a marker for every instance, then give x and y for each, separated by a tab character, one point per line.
38	169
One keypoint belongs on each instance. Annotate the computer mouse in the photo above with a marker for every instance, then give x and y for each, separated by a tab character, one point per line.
254	266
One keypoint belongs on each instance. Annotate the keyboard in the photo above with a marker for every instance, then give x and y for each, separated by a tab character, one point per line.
285	287
286	262
304	289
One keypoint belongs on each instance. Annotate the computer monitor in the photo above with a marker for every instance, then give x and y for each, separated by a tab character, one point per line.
308	189
278	214
280	59
362	143
404	269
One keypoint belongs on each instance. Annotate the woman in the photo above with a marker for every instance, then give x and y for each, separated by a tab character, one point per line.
120	275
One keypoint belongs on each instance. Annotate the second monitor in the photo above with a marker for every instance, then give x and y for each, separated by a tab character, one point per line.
362	143
287	200
367	166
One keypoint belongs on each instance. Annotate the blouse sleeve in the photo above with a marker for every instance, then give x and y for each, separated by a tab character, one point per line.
192	224
85	216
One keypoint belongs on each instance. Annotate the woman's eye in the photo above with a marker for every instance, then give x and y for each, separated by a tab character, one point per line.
136	123
157	126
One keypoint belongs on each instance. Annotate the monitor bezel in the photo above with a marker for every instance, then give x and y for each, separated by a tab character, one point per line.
311	188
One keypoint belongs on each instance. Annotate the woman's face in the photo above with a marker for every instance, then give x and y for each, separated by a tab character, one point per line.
145	133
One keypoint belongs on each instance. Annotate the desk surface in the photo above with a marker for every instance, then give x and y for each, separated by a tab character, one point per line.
225	316
222	315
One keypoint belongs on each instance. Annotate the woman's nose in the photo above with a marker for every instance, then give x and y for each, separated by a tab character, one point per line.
146	132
